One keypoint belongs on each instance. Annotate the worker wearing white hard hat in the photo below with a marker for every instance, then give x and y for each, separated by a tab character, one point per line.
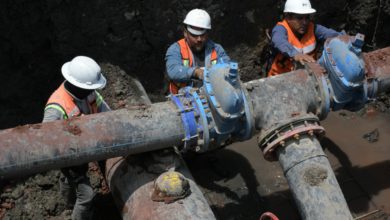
187	58
76	96
296	37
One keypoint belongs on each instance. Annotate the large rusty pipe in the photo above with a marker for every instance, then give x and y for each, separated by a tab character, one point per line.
34	148
286	99
311	180
131	181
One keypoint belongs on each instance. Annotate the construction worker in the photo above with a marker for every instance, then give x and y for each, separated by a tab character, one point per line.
296	37
75	97
187	58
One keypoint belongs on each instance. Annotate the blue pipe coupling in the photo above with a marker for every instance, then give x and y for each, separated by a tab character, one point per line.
345	66
217	113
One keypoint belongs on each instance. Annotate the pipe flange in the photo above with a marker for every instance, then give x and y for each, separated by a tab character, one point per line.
186	110
292	130
319	73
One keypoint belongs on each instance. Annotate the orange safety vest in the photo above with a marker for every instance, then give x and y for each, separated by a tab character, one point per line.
64	102
306	45
186	56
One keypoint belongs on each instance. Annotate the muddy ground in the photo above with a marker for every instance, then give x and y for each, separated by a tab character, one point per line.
129	39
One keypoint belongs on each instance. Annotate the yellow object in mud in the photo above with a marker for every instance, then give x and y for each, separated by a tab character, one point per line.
170	186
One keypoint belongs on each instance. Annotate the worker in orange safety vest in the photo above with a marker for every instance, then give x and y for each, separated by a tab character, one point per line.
187	58
296	37
77	96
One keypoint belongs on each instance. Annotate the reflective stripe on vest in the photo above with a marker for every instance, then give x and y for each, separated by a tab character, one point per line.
307	49
306	45
99	99
62	101
59	108
187	58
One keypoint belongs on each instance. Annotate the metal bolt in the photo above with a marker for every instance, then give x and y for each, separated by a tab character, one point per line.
296	136
311	132
282	143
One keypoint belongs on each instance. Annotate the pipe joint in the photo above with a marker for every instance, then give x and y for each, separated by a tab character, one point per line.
346	71
323	90
217	113
294	129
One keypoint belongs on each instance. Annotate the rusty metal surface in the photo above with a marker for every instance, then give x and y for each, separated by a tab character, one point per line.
378	63
132	179
277	100
34	148
294	133
140	207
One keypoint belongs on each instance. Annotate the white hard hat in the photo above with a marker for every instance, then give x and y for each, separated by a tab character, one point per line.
84	73
298	7
198	18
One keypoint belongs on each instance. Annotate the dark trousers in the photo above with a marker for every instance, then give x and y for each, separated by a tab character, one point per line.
76	189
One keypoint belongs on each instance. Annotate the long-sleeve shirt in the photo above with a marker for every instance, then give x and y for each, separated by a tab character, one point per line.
52	114
281	44
174	64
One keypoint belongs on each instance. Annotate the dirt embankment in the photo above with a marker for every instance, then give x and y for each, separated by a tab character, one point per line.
39	36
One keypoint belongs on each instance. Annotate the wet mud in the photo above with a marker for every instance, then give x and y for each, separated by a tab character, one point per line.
240	184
